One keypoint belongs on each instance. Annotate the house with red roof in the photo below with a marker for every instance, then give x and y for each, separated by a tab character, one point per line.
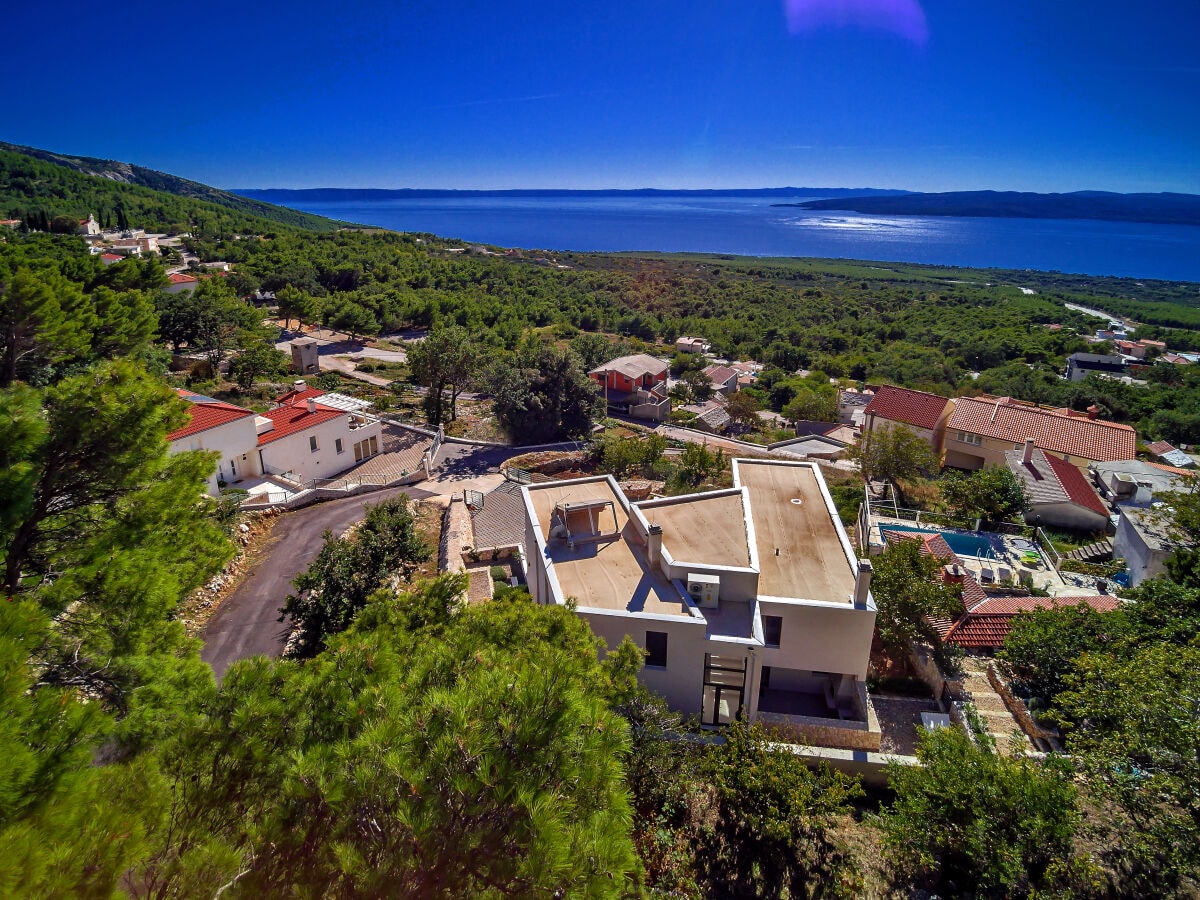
922	413
179	282
724	378
985	620
300	440
109	258
304	439
985	626
1059	494
981	430
223	428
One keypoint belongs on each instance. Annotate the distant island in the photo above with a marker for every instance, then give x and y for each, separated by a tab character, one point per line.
1162	209
356	195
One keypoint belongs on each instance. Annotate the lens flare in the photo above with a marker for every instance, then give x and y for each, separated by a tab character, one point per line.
905	18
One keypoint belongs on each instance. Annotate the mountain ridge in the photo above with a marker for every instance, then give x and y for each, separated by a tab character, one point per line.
320	195
1164	208
135	176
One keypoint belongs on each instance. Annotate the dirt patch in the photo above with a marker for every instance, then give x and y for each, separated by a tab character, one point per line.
554	462
252	536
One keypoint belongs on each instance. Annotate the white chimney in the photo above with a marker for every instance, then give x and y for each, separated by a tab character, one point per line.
862	583
299	385
654	544
1027	458
311	404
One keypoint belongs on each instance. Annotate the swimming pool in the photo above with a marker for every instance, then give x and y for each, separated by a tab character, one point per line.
961	544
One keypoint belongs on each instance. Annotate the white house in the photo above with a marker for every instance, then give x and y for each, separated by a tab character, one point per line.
304	439
221	427
746	601
300	440
688	344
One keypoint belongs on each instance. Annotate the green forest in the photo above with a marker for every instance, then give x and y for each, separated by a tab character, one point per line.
411	745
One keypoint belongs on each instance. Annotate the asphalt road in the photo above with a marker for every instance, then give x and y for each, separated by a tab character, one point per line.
247	623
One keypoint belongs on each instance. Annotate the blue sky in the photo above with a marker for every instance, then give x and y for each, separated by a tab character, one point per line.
917	94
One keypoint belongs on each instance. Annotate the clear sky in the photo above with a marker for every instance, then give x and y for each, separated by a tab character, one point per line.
920	94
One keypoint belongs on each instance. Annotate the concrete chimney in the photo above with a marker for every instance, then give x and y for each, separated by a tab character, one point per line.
311	404
1027	457
952	574
862	583
654	544
1093	411
298	384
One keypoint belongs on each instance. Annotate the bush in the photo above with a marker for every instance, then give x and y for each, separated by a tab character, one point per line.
968	822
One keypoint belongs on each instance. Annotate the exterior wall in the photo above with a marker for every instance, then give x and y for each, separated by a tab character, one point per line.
292	453
931	436
654	412
991	450
1142	561
682	681
619	382
235	442
1066	515
821	637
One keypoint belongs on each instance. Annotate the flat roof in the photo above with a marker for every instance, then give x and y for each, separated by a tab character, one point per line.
800	549
605	574
709	528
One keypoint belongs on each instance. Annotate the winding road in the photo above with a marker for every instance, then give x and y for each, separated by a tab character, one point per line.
247	622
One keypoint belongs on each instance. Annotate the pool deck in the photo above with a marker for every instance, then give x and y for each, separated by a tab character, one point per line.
1007	550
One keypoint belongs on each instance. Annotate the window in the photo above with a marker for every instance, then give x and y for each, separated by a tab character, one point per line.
312	443
656	649
337	445
772	629
967	438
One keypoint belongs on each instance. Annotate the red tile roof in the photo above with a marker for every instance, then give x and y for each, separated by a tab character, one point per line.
720	374
293	419
935	545
1059	431
908	407
1077	488
295	396
180	278
988	624
205	413
114	257
1174	470
1160	448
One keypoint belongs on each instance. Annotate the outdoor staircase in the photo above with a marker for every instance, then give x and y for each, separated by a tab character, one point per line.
999	722
1100	551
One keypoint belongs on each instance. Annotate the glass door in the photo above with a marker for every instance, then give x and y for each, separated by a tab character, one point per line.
724	688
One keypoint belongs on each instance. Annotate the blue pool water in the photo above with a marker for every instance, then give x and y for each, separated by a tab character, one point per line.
961	544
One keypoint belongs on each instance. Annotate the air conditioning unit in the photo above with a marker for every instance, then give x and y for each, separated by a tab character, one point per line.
704	589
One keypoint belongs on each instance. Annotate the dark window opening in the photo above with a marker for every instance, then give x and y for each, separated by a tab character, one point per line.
772	630
656	649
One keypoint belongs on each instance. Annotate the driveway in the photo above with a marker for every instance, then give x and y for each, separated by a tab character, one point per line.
247	623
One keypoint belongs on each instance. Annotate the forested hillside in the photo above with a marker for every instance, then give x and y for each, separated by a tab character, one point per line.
412	745
37	183
944	330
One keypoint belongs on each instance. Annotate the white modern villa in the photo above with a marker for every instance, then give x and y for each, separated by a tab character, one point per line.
747	600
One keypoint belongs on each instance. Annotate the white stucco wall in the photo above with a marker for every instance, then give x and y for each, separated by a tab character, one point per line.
821	637
1142	561
235	441
292	453
682	681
